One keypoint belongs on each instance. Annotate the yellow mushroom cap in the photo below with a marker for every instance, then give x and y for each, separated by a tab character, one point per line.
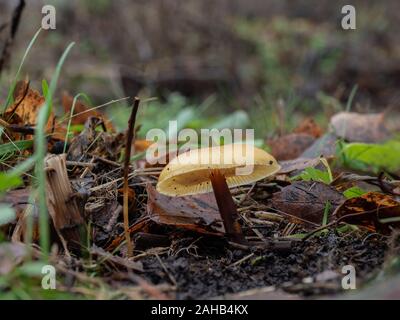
189	173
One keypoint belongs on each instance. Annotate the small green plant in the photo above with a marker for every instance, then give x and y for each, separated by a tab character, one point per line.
314	174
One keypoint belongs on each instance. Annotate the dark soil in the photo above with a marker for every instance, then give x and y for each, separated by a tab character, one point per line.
205	270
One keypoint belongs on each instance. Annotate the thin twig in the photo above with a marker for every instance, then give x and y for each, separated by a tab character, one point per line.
128	148
16	18
24	94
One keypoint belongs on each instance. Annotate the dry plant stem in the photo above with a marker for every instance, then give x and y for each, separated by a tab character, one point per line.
128	147
226	206
16	18
63	209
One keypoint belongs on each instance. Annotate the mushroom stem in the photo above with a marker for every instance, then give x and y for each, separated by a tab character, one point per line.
226	206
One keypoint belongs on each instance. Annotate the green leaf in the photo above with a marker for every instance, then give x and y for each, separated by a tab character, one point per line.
183	118
7	214
371	156
31	269
9	181
12	178
353	192
313	174
237	120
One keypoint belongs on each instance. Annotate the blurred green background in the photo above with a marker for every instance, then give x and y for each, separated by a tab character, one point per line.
261	64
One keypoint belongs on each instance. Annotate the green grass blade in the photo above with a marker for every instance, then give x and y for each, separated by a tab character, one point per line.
71	115
14	83
40	151
15	146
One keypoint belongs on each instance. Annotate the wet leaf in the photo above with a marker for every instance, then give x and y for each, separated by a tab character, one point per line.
375	211
197	213
305	201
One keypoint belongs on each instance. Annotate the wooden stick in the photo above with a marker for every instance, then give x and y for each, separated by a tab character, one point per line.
128	148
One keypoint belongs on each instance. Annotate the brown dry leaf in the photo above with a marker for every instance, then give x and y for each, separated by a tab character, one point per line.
197	213
309	126
305	201
29	102
357	127
290	146
142	145
371	210
82	112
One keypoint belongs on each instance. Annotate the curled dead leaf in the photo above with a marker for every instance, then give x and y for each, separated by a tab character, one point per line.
27	103
375	211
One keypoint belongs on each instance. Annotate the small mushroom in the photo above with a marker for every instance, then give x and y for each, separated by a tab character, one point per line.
217	169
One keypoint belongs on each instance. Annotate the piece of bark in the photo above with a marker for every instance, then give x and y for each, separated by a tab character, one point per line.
61	205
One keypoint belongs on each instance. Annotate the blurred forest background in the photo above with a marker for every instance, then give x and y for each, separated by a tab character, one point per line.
264	64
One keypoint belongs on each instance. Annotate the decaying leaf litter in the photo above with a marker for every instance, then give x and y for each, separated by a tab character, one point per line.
321	211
